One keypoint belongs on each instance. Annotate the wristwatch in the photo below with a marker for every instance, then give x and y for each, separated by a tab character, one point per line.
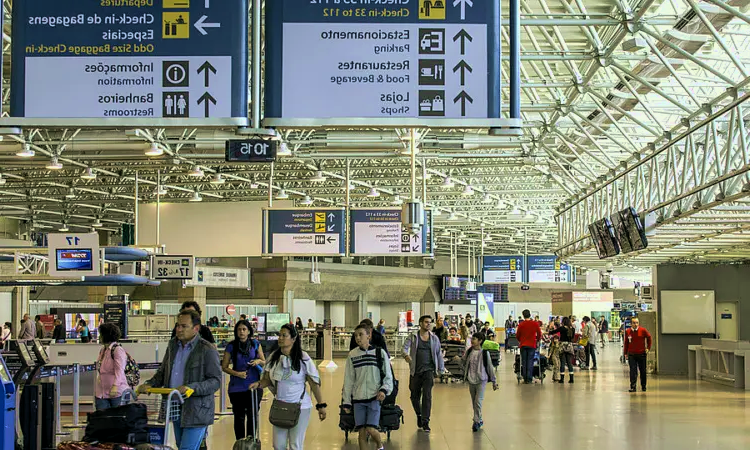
320	406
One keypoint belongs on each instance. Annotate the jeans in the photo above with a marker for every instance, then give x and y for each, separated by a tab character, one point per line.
637	364
294	437
245	407
527	363
591	354
477	398
420	386
188	438
566	359
604	336
105	403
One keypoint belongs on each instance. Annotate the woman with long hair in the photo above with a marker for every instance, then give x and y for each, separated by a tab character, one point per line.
299	324
286	373
245	355
83	331
567	335
111	382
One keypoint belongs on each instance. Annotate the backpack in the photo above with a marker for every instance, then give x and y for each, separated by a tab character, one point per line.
485	356
132	372
390	399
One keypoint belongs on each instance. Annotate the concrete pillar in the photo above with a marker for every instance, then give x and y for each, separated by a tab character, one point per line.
362	308
195	293
20	306
98	294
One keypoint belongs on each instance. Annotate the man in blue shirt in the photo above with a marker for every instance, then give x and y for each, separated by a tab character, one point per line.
190	362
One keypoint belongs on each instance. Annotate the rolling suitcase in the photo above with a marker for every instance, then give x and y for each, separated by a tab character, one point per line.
391	418
252	442
346	421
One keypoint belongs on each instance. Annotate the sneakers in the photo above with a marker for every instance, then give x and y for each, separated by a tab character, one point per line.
475	427
426	427
632	389
643	389
593	368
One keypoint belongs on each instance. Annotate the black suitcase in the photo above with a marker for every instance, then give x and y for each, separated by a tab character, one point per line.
391	418
126	424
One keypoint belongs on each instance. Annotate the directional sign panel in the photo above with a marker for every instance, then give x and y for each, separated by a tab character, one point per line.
547	269
304	232
379	232
129	59
425	59
503	269
172	267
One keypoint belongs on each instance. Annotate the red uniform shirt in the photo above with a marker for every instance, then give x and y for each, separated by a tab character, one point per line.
528	333
637	342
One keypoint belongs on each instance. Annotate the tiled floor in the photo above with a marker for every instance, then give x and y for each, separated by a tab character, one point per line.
596	412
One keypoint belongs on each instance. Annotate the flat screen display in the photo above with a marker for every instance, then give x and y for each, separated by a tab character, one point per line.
73	319
23	352
634	229
74	259
274	321
4	374
621	232
40	352
603	236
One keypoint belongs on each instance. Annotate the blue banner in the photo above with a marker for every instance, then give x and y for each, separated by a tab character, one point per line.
129	58
304	232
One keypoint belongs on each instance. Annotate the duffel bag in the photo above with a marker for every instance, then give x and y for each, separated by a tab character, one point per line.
126	424
391	417
346	419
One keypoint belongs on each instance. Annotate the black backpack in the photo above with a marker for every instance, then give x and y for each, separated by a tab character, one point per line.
126	424
485	355
390	399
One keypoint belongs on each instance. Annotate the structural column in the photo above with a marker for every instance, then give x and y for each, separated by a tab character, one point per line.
194	293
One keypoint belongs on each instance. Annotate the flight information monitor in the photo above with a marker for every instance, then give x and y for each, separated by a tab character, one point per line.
74	259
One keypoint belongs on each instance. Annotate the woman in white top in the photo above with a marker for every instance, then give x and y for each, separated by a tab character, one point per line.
287	371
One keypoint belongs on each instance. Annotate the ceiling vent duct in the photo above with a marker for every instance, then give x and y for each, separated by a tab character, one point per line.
412	216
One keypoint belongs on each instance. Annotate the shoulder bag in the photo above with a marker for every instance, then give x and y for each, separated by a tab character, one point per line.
284	414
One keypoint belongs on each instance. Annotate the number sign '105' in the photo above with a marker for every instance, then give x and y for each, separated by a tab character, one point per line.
251	150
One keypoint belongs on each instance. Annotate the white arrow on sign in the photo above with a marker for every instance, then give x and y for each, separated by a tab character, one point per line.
208	4
332	227
201	25
331	217
463	4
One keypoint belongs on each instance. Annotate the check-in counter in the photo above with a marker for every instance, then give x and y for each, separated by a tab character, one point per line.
66	354
720	361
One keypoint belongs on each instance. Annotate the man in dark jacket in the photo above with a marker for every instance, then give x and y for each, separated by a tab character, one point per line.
377	339
205	332
190	362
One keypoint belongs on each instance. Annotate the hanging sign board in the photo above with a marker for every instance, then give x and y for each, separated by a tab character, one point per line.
172	267
73	255
304	232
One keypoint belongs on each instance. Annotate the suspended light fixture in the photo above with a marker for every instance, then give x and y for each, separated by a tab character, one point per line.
97	223
283	150
318	177
26	151
254	185
468	191
282	195
89	174
515	212
71	193
488	238
196	197
445	233
448	183
436	212
162	190
218	179
196	172
373	193
396	200
2	180
307	201
64	228
154	150
519	233
511	240
452	217
487	198
54	164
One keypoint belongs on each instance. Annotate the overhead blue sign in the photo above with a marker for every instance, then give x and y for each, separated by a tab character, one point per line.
423	59
547	269
503	269
304	232
379	232
129	59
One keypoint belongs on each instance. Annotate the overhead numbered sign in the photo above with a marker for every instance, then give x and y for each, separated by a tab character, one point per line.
251	150
421	59
379	232
129	59
304	232
172	267
73	255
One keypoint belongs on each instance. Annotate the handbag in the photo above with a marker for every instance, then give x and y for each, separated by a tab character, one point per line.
584	341
284	414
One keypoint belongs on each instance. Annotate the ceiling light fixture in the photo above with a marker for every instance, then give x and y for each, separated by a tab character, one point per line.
162	190
307	201
89	174
488	238
254	185
318	177
487	198
71	193
373	193
436	212
448	183
64	228
468	191
282	195
452	217
97	224
218	179
54	164
2	180
196	197
397	200
154	150
26	151
283	150
197	172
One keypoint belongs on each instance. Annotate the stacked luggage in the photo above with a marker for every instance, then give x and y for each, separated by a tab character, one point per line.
452	354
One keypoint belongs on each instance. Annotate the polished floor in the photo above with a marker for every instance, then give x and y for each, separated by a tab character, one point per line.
596	412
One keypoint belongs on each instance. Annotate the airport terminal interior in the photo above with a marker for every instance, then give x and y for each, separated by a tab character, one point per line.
569	179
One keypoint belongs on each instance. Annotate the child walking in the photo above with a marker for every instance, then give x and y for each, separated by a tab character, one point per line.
553	354
478	371
366	385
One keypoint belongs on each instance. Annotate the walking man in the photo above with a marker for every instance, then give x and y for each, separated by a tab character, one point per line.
528	333
28	329
636	347
590	333
423	353
603	330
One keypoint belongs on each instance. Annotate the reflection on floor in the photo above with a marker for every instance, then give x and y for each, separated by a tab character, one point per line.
596	412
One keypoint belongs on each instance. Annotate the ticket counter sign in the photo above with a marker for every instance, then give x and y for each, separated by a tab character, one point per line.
129	59
172	267
74	255
419	59
379	232
304	232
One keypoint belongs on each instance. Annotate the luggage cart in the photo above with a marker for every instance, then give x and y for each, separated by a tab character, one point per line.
163	405
540	365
